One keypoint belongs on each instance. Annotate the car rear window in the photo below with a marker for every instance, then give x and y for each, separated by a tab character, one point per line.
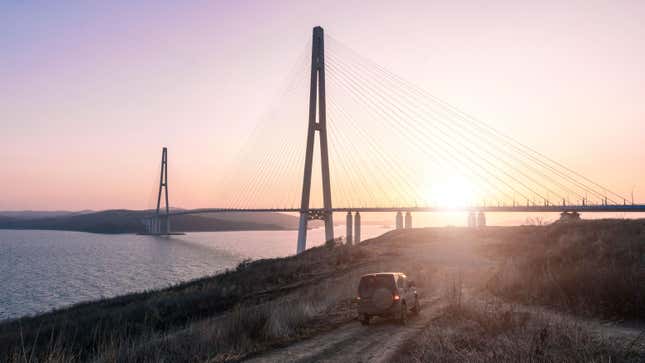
370	283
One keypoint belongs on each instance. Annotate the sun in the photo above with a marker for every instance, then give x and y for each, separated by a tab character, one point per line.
450	192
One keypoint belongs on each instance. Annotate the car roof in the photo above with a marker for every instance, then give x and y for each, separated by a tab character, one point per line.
383	273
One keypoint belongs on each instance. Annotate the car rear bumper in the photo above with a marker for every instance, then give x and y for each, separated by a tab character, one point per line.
369	309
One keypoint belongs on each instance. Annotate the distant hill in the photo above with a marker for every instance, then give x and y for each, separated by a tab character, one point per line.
129	221
32	214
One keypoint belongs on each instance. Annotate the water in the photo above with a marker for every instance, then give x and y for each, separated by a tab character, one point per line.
44	270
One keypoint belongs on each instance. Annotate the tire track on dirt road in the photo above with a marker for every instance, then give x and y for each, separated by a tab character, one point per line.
353	342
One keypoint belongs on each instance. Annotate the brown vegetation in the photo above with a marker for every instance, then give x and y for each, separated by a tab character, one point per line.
594	268
493	332
260	304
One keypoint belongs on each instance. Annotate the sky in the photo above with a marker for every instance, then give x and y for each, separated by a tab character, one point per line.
91	91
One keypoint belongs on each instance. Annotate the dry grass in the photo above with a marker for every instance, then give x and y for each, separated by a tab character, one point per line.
260	304
491	331
594	268
244	330
271	303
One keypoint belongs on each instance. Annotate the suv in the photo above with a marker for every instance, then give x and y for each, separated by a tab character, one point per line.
386	294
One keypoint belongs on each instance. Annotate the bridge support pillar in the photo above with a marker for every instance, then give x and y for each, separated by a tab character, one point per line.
481	220
302	232
399	220
472	220
357	228
317	105
348	225
408	220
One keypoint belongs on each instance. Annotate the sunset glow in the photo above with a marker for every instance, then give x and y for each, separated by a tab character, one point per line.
92	91
451	192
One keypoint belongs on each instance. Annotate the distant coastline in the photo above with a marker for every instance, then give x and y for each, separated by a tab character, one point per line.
129	221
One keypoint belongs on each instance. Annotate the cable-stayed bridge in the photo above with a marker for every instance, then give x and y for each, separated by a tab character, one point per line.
384	145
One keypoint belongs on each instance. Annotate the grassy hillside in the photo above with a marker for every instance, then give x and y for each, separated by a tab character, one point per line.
596	268
592	268
249	296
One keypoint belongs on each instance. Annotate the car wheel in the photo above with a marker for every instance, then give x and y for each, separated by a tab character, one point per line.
417	307
365	319
403	318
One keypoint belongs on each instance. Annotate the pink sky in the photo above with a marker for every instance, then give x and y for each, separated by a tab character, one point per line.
90	93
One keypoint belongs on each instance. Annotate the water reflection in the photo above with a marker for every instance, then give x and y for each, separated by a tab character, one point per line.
44	270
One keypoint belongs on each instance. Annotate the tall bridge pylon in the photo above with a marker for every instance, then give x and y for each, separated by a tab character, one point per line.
159	223
316	103
163	185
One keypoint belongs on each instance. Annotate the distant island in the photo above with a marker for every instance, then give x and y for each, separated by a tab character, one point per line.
129	221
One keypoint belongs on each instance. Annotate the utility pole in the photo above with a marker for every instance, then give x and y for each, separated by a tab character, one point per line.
316	102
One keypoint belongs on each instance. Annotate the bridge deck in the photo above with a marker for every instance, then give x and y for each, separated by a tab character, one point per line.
627	208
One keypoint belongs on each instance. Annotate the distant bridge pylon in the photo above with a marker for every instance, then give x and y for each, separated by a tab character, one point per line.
159	223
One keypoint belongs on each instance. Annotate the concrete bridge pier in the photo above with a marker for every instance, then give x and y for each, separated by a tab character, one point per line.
302	232
408	220
167	224
348	225
481	220
357	228
157	225
472	220
399	220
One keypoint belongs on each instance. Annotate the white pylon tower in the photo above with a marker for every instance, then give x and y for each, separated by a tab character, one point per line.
316	98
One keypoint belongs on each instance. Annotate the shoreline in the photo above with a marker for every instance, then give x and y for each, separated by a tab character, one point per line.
208	241
268	306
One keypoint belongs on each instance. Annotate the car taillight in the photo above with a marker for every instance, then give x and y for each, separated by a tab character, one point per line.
396	297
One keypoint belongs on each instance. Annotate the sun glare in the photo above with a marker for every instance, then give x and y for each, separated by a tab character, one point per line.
451	192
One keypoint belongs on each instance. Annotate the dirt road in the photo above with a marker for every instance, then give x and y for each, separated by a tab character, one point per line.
354	342
379	341
452	260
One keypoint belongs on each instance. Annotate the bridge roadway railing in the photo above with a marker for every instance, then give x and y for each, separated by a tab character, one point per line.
627	208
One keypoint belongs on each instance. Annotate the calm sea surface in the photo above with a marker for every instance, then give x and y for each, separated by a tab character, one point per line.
44	270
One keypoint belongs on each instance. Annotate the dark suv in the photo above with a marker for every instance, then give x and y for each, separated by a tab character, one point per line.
386	294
